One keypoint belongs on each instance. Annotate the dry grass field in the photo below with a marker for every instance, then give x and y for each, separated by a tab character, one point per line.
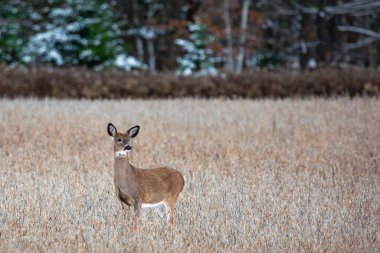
264	175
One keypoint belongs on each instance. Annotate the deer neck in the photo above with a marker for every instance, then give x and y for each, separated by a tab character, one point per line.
124	171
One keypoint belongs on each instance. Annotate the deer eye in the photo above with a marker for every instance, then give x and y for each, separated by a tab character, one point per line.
119	140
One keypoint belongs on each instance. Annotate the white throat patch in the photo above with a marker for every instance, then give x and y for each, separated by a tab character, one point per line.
121	153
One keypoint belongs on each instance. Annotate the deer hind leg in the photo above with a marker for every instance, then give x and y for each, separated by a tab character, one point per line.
168	211
169	206
173	202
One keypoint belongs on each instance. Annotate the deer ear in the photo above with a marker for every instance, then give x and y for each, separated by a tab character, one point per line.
133	131
111	129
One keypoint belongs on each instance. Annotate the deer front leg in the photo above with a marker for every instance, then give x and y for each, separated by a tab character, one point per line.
125	200
137	207
125	206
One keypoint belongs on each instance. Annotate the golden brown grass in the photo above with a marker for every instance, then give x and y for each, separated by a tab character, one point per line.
286	175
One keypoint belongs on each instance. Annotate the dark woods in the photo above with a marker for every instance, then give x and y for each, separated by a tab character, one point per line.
190	36
202	48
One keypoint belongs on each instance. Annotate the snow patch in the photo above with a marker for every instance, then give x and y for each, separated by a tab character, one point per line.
128	63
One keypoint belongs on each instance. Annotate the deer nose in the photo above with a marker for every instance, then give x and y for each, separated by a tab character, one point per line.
128	148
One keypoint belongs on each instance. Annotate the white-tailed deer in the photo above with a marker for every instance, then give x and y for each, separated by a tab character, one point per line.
143	188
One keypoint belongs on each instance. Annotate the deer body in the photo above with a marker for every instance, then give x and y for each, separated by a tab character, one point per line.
143	188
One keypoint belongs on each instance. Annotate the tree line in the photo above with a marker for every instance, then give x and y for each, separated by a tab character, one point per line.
190	36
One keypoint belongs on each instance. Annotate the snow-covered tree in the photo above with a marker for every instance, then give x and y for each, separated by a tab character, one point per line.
12	32
79	34
198	58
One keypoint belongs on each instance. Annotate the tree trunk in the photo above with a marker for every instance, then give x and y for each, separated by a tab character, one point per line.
227	21
150	38
139	41
152	55
304	38
372	50
243	30
321	28
140	48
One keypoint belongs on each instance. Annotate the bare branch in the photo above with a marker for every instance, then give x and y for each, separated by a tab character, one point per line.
358	44
360	30
302	44
308	10
353	7
285	12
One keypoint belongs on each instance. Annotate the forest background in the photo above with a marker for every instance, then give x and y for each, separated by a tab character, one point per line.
189	48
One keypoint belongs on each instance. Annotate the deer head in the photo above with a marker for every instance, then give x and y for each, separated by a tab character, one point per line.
122	141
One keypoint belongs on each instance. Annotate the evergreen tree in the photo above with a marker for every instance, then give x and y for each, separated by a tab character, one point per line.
78	33
13	31
198	58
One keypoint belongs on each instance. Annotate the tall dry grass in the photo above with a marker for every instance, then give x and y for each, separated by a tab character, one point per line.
285	175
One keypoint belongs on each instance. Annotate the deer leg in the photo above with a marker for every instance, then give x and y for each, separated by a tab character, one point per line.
125	200
137	207
169	207
125	206
167	211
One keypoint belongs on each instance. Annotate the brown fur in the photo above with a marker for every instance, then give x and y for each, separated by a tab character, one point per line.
149	186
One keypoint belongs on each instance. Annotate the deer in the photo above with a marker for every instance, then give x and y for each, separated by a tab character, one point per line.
143	188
